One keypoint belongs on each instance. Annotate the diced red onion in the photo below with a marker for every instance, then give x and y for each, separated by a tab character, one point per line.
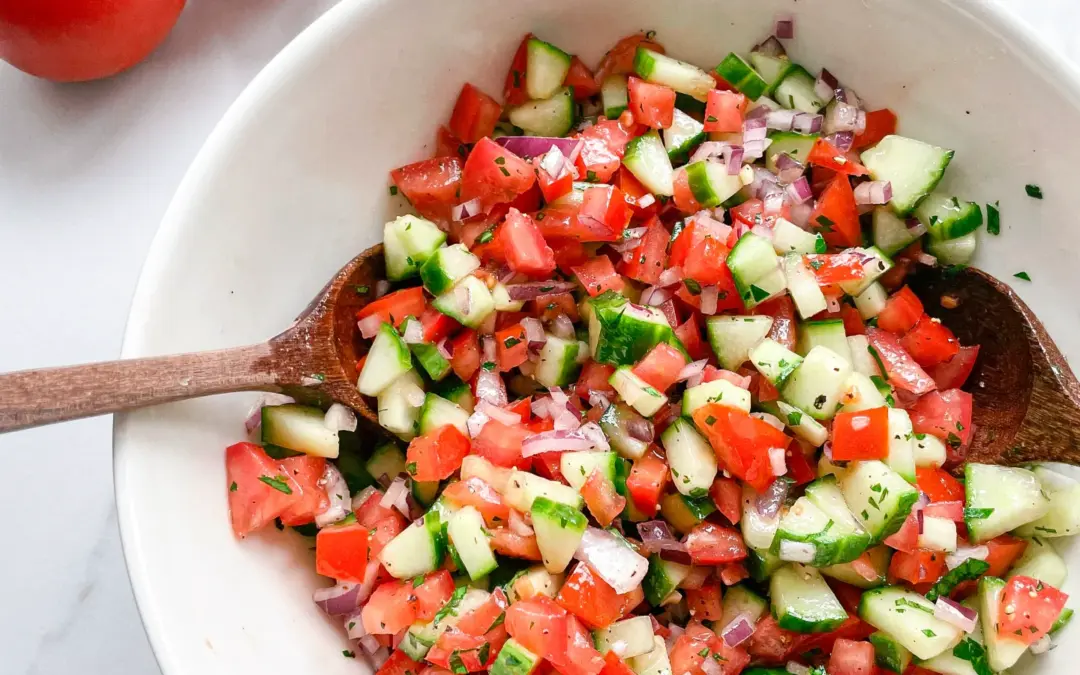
586	437
833	303
733	159
535	146
755	149
709	297
737	631
771	47
656	536
490	387
764	180
807	123
797	668
848	95
669	277
788	169
768	502
475	424
841	140
541	407
920	519
340	418
1042	645
534	333
505	274
466	210
488	348
370	645
598	400
337	490
254	416
925	258
774	201
534	289
764	231
369	326
518	525
799	192
631	239
707	219
337	600
825	86
777	460
654	296
781	120
963	553
444	349
708	150
841	117
785	28
563	327
396	496
860	122
382	287
554	162
873	192
954	613
797	551
691	369
640	429
498	414
754	129
354	624
566	416
675	631
800	214
696	578
615	562
413	333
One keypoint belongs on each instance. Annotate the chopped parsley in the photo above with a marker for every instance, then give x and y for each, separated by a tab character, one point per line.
758	293
1033	191
794	418
971	651
348	654
1023	275
710	420
500	160
278	483
993	219
825	223
904	602
511	342
363	290
506	173
591	176
486	236
411	468
232	488
928	633
977	514
704	652
692	286
393	189
819	402
488	366
970	569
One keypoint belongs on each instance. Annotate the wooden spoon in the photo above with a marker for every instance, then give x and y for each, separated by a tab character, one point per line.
314	361
1026	398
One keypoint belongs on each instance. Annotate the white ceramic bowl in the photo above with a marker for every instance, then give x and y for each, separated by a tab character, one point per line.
293	181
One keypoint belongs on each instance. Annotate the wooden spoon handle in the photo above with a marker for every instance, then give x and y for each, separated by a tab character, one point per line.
31	398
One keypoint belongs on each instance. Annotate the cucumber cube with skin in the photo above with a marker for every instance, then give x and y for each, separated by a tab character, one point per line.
683	77
827	333
546	67
1000	499
803	602
816	385
559	529
446	267
299	428
663	577
553	116
638	394
622	333
957	251
732	337
790	238
653	662
795	145
1002	651
576	467
437	412
469	537
1063	517
388	359
803	287
711	184
648	160
909	618
691	458
912	167
741	601
514	659
615	423
684	134
880	556
408	243
397	412
890	232
635	634
614	96
774	361
878	497
741	75
418	549
523	488
796	91
947	217
802	425
758	530
558	365
717	391
469	302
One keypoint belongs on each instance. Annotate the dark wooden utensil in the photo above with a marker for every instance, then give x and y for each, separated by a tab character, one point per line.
1026	398
314	361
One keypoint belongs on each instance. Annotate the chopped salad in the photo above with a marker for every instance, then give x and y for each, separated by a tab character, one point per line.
660	401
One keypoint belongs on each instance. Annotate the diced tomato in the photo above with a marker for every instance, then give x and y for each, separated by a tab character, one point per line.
879	124
539	624
594	377
569	253
500	443
604	145
604	214
341	552
588	597
704	602
732	573
782	310
851	658
945	414
799	467
684	196
852	629
553	187
752	212
382	532
711	544
827	155
836	215
952	374
727	495
901	369
766	391
437	454
905	539
620	58
724	111
1028	609
394	307
480	620
388	609
399	663
581	79
853	321
930	343
431	186
939	485
640	199
652	104
505	542
953	511
481	496
260	489
511	348
514	89
448	145
526	250
689	333
306	471
475	115
770	643
613	665
581	656
598	275
437	325
661	366
432	594
1004	551
372	511
741	442
465	354
646	261
691	650
547	308
861	435
835	268
919	567
494	175
646	482
604	503
902	310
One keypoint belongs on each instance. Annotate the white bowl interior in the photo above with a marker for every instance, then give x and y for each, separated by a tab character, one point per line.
293	183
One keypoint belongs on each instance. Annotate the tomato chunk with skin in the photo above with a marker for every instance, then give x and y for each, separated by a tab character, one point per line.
646	262
604	214
465	354
835	268
704	602
475	115
526	250
1004	550
481	496
581	79
918	567
646	482
1029	609
945	414
952	374
902	370
724	111
259	488
511	348
661	366
613	665
388	609
689	334
539	624
930	343
652	104
726	493
849	657
432	594
393	307
306	471
939	485
581	656
879	124
399	663
902	310
836	216
604	503
590	598
825	154
494	175
602	150
598	275
431	186
437	454
620	58
741	442
861	435
341	552
594	377
514	545
711	544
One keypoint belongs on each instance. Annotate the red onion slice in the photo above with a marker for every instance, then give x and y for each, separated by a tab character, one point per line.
691	369
771	47
640	429
598	400
781	120
797	551
586	437
369	326
654	296
670	277
382	287
873	192
535	146
444	349
612	559
490	387
799	192
554	162
466	210
963	553
1042	645
534	289
768	502
807	123
498	414
534	333
563	327
825	86
340	418
254	416
738	631
563	411
709	150
354	624
397	496
413	333
337	490
475	424
954	613
656	535
337	600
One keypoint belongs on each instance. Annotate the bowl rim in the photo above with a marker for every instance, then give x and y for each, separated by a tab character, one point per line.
1020	37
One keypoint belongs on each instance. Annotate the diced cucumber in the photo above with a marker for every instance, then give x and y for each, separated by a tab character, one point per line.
880	556
909	619
417	550
901	457
878	497
475	466
741	601
766	288
685	513
803	286
790	238
614	96
947	217
929	451
801	424
522	489
794	145
503	303
774	361
1001	651
635	634
614	423
648	160
514	659
1040	561
425	491
684	134
861	358
807	523
876	264
1000	499
816	385
662	578
741	75
576	467
533	582
912	167
717	391
421	636
732	337
655	662
1063	517
298	428
796	91
827	333
890	654
546	67
434	364
1063	620
761	563
552	116
957	251
446	267
860	393
455	391
825	494
691	458
679	75
559	529
467	534
890	232
386	460
397	414
828	468
558	365
772	69
871	301
622	333
802	602
710	183
437	412
469	302
408	242
939	534
388	359
751	260
758	531
948	663
637	393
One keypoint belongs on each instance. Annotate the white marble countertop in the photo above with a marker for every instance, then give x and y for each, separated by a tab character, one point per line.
86	173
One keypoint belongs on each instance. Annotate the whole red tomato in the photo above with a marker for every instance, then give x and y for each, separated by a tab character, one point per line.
75	40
